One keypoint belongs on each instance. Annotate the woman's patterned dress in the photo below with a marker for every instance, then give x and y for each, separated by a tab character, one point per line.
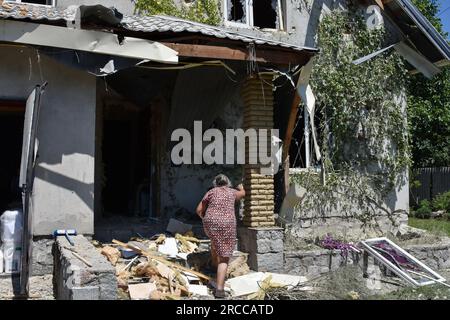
219	221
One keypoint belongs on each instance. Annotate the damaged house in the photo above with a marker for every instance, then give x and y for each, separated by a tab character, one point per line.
91	94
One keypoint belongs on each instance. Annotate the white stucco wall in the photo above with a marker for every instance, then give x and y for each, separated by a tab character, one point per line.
63	195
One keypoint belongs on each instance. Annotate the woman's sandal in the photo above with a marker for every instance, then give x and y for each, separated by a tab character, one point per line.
220	294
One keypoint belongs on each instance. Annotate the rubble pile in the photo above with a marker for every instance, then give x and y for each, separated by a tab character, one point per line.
166	267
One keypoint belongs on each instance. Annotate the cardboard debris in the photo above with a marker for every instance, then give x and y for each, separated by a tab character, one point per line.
169	248
141	290
251	283
111	253
175	226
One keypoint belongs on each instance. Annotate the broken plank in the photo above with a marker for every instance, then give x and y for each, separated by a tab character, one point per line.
162	260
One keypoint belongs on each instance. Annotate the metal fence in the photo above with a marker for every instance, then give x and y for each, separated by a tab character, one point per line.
433	182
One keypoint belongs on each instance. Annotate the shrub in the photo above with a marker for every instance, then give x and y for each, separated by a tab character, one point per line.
424	210
442	202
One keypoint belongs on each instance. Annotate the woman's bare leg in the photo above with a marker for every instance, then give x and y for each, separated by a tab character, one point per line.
222	272
214	257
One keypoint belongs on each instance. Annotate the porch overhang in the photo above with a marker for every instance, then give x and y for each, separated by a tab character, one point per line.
192	41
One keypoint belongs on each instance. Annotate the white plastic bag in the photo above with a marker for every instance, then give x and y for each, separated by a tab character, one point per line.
11	226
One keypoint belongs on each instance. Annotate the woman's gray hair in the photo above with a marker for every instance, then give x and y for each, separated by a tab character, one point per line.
221	180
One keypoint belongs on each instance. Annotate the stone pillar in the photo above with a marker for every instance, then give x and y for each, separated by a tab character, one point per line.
257	94
259	237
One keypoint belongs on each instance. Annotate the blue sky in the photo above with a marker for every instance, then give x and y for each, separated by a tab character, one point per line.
444	14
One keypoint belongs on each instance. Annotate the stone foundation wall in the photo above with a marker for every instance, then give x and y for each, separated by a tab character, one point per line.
265	247
74	280
311	263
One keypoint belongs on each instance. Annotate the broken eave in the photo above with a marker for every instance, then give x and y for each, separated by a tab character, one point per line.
192	40
417	30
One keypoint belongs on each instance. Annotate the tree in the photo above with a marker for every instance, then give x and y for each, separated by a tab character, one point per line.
429	106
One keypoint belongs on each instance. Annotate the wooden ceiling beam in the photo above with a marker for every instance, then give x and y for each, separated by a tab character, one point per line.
279	57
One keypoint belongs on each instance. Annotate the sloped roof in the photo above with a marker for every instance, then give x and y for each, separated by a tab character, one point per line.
140	24
416	27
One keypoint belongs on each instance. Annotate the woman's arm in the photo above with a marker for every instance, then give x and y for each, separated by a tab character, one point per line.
201	208
240	193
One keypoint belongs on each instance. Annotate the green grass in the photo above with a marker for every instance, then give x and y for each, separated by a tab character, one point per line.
433	225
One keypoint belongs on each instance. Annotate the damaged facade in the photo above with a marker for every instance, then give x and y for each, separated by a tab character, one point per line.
121	83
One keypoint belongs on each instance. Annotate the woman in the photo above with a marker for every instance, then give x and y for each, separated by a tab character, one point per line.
219	221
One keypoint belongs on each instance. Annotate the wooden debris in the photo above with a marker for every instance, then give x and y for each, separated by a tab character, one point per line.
76	255
160	239
164	261
112	254
82	259
186	244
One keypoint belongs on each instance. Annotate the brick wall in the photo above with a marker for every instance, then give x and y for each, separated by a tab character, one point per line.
257	95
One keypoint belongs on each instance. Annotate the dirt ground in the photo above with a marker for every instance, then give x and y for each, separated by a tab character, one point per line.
41	287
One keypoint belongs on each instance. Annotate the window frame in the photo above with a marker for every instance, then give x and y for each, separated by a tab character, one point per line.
248	10
53	3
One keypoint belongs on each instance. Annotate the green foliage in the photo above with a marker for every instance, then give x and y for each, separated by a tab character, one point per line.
442	202
430	9
362	117
363	130
429	119
424	210
429	107
203	11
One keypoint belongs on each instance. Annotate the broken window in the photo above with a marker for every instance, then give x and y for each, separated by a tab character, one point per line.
41	2
264	14
236	11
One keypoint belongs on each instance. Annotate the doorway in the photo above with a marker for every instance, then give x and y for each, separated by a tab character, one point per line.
125	160
11	136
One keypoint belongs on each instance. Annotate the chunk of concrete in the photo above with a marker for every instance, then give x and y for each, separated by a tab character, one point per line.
176	226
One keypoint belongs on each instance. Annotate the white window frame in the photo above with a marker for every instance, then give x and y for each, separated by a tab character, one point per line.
248	10
53	3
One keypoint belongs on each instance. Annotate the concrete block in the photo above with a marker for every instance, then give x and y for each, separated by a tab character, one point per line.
75	280
85	293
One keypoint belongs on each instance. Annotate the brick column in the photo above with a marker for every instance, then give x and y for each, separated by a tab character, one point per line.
257	95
